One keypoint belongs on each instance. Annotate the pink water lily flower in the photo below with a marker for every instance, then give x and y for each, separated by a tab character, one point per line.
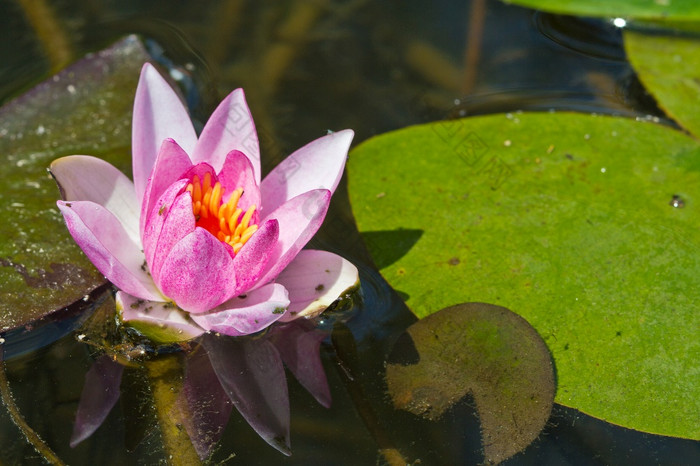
197	242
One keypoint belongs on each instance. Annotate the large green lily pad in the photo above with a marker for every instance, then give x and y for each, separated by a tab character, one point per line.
587	226
669	67
678	10
85	109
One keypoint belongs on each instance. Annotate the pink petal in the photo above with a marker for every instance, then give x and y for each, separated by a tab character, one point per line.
246	314
238	172
198	273
251	260
158	114
299	219
172	162
85	178
199	170
317	165
314	279
170	220
164	318
299	344
108	246
252	374
229	128
100	394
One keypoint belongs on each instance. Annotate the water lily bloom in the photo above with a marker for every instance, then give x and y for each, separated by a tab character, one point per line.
197	242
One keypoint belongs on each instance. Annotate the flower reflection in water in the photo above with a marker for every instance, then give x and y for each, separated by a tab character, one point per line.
222	372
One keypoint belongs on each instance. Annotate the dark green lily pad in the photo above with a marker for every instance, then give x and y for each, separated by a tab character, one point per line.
485	351
669	67
587	226
85	109
679	10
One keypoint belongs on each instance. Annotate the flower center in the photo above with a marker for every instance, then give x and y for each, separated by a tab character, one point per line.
226	221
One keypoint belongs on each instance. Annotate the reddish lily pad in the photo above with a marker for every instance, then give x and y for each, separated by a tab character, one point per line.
85	108
481	350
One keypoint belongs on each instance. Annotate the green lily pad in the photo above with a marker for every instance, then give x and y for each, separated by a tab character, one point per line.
485	351
587	226
669	67
85	109
678	10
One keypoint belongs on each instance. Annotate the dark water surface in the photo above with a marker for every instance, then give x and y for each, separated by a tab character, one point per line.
307	67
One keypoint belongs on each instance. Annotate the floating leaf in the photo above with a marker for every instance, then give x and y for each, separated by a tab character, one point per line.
680	10
485	351
84	109
669	67
587	226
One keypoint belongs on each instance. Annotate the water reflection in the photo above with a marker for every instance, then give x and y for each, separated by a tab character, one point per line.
221	372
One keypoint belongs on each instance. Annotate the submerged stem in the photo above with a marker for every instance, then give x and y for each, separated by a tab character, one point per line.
475	37
50	33
165	375
32	437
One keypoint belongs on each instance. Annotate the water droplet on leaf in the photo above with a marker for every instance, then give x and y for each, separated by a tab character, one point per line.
677	202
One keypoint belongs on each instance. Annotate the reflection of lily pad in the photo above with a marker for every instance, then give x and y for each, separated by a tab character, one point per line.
84	109
669	67
570	221
485	351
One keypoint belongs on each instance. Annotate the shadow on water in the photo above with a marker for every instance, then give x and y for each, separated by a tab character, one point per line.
572	437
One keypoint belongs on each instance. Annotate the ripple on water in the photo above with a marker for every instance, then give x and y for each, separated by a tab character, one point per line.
593	37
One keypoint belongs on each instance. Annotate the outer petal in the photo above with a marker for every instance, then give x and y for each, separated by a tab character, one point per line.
251	260
299	219
317	165
229	128
85	178
108	246
169	222
299	344
252	374
159	321
100	394
171	164
238	172
198	273
246	314
314	279
158	115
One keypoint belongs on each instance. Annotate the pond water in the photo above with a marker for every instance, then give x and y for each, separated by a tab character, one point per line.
309	67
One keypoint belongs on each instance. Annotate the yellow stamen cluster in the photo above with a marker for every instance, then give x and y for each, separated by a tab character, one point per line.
222	220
